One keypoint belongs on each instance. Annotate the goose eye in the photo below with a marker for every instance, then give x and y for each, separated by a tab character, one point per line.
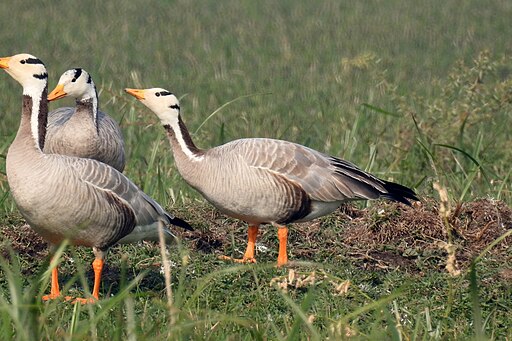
23	61
157	94
77	74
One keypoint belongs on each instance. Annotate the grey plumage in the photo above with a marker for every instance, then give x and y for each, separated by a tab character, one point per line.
261	180
60	196
83	131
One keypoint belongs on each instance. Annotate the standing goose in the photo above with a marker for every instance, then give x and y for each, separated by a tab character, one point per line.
67	197
262	180
83	131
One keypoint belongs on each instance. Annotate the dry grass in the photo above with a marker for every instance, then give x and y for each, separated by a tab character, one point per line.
385	235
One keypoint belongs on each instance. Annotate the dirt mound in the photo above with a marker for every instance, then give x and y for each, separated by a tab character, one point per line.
21	239
392	234
384	235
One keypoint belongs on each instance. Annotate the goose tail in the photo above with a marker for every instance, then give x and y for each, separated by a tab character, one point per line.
178	222
397	192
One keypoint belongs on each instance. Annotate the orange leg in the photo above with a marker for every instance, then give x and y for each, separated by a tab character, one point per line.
252	233
282	235
55	290
97	266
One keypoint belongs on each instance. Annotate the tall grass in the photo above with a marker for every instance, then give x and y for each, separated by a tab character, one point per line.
318	63
254	309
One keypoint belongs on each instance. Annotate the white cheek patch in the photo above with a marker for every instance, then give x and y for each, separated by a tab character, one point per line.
167	121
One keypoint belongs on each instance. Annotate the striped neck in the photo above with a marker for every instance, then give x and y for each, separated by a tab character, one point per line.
89	106
35	109
180	138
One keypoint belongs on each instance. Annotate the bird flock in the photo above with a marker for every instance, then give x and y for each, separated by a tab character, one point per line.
64	170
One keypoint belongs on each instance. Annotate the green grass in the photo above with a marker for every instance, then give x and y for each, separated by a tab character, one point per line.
415	93
215	300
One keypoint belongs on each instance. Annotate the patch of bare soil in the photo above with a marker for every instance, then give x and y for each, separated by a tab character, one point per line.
386	235
211	228
395	235
20	238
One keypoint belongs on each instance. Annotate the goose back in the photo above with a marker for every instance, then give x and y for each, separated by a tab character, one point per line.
83	200
83	131
72	131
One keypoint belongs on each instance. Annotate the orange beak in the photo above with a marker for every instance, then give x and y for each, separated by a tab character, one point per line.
4	62
57	93
137	93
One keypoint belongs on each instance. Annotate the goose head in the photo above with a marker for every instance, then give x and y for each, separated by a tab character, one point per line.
76	83
27	70
162	102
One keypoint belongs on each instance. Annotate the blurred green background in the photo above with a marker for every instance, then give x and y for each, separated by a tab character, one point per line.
414	92
379	83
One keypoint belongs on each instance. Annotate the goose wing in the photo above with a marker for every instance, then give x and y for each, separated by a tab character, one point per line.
58	117
323	177
113	183
112	142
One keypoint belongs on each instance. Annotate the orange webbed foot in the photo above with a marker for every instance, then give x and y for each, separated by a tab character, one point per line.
90	300
51	297
244	260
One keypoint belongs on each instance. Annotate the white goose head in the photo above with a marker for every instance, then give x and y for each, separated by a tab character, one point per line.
31	73
76	83
167	107
162	102
27	70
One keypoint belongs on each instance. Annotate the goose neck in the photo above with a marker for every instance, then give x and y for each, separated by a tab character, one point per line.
181	141
35	117
90	107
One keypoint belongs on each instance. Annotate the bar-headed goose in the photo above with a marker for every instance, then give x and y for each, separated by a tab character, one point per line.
83	131
261	180
66	197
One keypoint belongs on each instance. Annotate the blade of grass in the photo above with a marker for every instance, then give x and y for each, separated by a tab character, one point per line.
493	244
466	154
371	306
502	185
379	110
301	315
216	111
477	310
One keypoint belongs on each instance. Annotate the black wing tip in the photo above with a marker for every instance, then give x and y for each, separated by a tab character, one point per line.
180	223
400	193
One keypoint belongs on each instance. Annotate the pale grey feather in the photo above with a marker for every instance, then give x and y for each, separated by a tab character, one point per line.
263	180
83	131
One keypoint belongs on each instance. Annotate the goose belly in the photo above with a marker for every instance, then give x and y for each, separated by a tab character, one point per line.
65	210
256	196
319	209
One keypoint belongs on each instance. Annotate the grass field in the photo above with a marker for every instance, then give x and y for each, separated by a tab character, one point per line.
414	93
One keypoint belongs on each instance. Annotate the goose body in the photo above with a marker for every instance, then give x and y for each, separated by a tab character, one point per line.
83	131
67	197
261	180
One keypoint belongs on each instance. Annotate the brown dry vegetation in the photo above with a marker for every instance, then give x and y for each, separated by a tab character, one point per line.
385	235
